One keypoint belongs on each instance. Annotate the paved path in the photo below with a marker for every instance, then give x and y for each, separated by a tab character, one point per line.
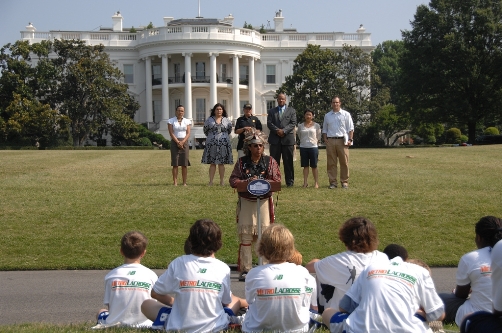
61	297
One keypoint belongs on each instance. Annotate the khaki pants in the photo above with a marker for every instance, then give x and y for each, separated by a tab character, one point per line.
337	151
248	229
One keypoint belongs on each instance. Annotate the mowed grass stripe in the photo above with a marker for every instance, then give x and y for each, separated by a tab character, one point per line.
68	209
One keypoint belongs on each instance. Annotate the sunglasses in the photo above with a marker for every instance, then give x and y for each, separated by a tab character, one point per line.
256	145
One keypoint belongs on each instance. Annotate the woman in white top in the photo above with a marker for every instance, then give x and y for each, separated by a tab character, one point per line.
474	283
179	130
309	133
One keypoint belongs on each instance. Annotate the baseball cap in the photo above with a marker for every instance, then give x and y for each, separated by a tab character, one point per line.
248	106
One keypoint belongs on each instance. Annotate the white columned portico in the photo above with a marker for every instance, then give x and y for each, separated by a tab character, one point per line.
188	85
149	102
251	86
213	96
165	88
235	87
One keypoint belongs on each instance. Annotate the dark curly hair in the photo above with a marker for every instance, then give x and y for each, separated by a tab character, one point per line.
222	107
359	235
488	228
205	237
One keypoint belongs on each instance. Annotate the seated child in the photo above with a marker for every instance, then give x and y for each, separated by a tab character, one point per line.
201	284
279	293
385	298
127	286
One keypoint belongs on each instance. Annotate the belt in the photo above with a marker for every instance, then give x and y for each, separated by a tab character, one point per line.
335	137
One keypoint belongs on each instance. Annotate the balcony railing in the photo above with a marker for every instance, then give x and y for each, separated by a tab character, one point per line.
198	79
127	39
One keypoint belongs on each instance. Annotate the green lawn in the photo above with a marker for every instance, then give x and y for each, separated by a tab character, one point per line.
69	209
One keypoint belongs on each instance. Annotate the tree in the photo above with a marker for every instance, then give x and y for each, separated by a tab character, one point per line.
451	63
391	123
86	88
24	119
150	25
386	58
320	74
67	84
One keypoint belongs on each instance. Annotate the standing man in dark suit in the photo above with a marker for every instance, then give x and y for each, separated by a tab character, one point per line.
281	121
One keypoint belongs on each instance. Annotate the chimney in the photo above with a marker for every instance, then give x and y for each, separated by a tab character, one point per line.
167	19
229	19
117	22
279	21
361	29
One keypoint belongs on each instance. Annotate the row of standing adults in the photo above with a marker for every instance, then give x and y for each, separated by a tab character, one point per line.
337	132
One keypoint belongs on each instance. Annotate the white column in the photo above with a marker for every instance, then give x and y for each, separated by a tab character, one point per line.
188	85
213	93
235	87
251	82
149	105
165	88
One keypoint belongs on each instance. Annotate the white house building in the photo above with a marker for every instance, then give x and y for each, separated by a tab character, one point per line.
200	62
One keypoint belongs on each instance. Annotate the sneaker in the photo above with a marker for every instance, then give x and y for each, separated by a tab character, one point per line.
345	185
242	277
332	186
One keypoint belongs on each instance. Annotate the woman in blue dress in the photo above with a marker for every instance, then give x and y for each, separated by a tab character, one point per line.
218	149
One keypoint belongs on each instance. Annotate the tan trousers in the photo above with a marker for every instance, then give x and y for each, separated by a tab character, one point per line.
336	150
248	229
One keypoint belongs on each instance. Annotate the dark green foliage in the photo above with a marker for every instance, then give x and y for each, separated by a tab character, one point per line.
150	25
451	63
153	137
368	136
320	74
76	91
491	131
453	135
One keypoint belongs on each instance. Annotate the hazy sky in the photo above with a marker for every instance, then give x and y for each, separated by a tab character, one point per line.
384	19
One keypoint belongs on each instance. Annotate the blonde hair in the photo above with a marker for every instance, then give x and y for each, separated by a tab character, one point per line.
277	243
296	258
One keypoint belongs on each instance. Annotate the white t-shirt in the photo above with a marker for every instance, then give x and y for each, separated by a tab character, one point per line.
126	287
200	286
497	276
309	136
179	129
279	297
340	271
388	295
474	268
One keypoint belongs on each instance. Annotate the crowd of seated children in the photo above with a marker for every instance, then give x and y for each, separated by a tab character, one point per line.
382	292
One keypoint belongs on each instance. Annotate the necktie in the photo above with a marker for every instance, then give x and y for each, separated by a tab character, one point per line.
281	112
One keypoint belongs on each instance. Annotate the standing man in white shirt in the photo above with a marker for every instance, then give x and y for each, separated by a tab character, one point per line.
338	135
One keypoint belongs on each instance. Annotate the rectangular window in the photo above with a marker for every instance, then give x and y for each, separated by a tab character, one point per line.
177	73
177	102
224	103
200	71
223	72
156	75
270	74
271	104
128	73
243	74
200	111
157	111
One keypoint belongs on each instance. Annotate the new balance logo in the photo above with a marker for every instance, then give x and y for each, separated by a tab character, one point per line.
278	277
131	272
202	270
